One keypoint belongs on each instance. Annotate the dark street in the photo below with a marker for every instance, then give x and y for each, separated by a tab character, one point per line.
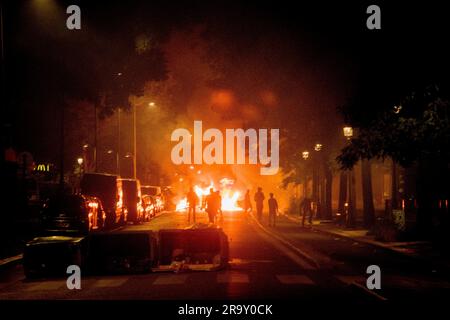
261	267
175	155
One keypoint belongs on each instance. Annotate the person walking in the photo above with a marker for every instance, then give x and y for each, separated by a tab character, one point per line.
259	200
192	199
273	210
247	202
211	205
219	205
306	208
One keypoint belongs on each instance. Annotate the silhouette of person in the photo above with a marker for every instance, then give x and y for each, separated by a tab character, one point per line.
211	205
192	199
273	210
259	200
247	202
219	205
306	208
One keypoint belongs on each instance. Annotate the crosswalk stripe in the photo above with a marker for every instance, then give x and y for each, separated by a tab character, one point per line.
232	277
294	279
109	283
350	279
47	285
170	279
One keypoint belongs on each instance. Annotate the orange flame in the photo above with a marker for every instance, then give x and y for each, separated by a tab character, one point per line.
229	198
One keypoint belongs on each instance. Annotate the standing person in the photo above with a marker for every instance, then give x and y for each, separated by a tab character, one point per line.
211	205
259	199
247	202
306	208
273	210
219	205
192	200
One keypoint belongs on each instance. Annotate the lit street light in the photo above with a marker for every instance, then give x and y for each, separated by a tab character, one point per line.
348	134
316	180
318	147
305	155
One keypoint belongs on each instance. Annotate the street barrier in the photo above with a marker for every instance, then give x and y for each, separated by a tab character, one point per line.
122	252
50	256
199	248
196	248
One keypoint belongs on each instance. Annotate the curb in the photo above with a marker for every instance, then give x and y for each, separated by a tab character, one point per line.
10	261
304	255
371	243
337	234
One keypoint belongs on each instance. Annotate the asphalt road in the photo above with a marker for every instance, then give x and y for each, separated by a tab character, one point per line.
285	262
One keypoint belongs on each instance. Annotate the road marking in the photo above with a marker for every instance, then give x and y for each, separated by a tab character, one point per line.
46	286
238	261
294	279
170	279
360	282
110	283
232	277
291	251
351	279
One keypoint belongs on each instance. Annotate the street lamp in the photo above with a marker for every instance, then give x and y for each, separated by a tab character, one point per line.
110	152
318	147
348	134
80	168
305	155
151	105
316	180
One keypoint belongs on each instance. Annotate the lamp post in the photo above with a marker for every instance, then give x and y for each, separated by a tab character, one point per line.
116	155
151	105
348	134
305	156
129	155
134	141
80	162
316	181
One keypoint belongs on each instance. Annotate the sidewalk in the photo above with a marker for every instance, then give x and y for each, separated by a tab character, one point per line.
415	249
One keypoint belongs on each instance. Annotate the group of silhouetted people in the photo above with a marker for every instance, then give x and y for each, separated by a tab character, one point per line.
213	205
273	206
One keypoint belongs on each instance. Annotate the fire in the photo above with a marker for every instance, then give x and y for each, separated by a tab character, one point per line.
229	198
182	205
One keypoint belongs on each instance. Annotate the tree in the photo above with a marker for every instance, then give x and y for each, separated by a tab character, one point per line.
415	131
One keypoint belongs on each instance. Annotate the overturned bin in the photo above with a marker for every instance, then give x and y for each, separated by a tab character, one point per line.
50	256
197	248
122	252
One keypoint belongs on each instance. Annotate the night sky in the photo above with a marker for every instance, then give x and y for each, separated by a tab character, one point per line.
317	55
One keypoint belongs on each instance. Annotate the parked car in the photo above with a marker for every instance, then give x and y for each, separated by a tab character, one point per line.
108	188
156	193
132	200
149	205
72	213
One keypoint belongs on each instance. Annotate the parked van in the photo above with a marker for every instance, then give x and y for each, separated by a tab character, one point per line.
72	214
156	193
132	200
108	188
